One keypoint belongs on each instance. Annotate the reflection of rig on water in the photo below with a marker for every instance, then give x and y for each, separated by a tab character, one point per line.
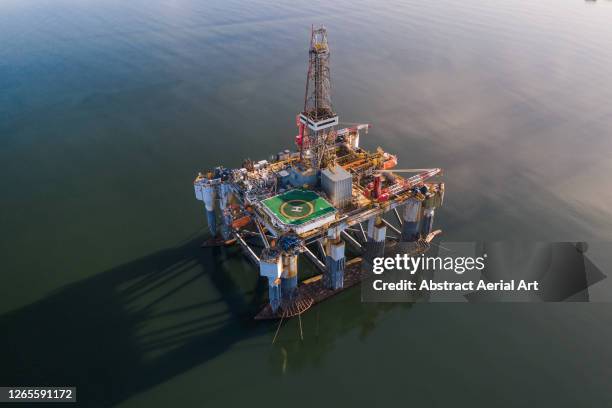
316	199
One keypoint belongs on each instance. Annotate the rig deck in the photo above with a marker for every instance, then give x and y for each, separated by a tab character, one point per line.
311	201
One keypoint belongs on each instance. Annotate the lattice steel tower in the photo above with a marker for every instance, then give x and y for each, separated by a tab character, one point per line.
318	119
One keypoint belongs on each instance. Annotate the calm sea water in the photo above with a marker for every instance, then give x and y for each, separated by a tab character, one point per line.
108	108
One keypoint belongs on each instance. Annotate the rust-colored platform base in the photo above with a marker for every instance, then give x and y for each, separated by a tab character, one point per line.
312	291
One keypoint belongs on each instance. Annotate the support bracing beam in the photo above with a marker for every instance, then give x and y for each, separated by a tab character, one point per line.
388	224
352	240
254	234
262	234
322	248
316	261
252	255
397	215
363	233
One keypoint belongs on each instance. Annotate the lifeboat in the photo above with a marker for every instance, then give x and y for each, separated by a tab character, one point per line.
241	222
390	161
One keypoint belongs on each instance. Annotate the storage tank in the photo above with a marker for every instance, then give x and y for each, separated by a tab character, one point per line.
283	178
338	185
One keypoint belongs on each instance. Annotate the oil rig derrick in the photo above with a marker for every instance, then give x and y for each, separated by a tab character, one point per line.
310	203
317	122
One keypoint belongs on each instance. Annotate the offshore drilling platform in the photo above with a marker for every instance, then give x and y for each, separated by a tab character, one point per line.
313	200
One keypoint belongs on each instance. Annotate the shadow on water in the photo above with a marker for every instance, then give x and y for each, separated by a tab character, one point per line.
323	325
90	334
129	328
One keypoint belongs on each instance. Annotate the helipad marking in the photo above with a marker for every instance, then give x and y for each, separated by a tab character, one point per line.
297	206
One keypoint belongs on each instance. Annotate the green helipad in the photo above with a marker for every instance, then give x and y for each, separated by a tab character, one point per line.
297	207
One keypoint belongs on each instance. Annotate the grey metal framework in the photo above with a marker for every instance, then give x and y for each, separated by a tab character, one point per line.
317	101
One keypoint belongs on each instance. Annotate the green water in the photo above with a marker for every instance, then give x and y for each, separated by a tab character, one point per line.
108	109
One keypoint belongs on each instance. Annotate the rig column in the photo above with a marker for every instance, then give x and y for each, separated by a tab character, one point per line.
335	261
224	193
208	194
377	232
274	293
433	201
428	219
271	266
289	277
410	226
